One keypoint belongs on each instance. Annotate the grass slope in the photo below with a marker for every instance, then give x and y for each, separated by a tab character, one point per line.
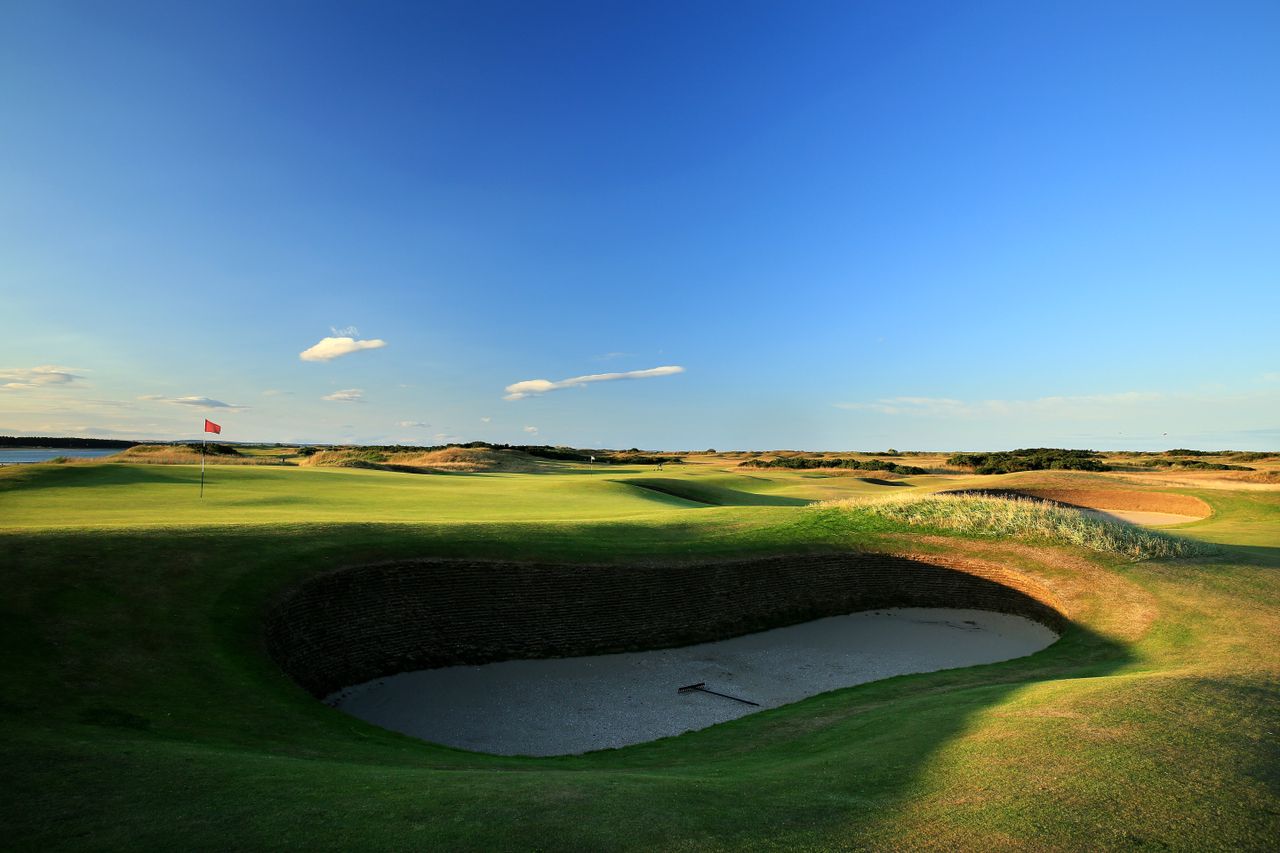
714	491
140	710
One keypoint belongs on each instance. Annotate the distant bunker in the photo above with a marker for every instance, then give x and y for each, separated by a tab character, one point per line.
1152	509
546	659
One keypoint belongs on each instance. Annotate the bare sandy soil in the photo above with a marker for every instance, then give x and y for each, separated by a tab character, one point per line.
1147	519
573	705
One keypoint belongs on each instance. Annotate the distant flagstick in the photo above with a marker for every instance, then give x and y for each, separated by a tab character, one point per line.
209	426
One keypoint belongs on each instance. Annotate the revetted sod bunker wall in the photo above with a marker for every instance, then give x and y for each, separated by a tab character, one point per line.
356	624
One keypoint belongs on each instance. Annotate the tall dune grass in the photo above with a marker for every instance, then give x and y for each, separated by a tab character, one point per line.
1021	518
182	454
445	460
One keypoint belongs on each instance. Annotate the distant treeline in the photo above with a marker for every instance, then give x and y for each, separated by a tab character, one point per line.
209	448
807	462
1234	455
1030	459
52	441
1196	464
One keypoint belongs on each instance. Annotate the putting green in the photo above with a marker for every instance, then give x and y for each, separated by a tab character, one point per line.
141	709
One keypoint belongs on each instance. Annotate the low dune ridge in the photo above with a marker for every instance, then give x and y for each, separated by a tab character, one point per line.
462	460
469	459
189	454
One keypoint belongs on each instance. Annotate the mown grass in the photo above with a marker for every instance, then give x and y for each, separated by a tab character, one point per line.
168	495
140	710
1020	518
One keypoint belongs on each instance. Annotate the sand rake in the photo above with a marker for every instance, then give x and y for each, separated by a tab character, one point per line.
701	687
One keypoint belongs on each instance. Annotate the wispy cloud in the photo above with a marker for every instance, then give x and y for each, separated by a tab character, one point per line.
485	420
346	395
195	402
414	424
330	348
946	407
535	387
532	430
44	376
276	392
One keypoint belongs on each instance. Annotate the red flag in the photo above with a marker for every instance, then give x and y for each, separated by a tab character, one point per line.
210	426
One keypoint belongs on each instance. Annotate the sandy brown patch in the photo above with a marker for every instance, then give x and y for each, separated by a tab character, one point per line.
1142	517
1112	499
1084	591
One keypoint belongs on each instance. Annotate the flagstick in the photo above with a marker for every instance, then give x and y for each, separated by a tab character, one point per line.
201	467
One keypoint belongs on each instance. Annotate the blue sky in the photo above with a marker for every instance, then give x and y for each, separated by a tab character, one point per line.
849	225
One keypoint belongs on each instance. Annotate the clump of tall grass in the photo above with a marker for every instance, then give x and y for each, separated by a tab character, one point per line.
1021	518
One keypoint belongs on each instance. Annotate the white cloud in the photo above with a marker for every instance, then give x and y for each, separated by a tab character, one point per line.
485	420
532	430
276	392
346	395
22	378
414	424
535	387
330	348
196	402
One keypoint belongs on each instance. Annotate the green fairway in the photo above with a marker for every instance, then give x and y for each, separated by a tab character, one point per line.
141	710
133	495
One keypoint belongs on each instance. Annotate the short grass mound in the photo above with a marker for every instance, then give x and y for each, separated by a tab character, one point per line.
1022	518
701	491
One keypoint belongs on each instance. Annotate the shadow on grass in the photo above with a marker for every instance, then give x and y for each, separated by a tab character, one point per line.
1255	555
110	474
709	495
157	636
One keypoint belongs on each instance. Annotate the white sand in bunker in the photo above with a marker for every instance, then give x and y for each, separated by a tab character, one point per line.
1146	519
570	705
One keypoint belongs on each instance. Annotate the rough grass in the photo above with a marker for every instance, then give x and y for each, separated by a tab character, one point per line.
1021	518
467	460
183	454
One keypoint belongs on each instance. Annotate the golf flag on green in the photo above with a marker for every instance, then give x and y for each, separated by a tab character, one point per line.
209	426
